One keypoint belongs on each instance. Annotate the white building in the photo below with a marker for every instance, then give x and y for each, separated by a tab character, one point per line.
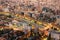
55	35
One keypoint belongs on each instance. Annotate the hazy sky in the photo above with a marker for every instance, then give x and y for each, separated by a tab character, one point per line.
24	0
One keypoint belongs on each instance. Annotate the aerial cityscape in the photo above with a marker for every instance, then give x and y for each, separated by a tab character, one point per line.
29	19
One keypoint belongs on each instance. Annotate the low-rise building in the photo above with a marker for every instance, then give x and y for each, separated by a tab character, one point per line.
54	35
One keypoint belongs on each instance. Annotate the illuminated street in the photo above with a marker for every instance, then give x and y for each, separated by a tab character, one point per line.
29	20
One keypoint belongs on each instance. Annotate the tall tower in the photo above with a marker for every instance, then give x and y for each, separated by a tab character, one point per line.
39	7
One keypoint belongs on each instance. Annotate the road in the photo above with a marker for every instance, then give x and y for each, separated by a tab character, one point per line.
31	20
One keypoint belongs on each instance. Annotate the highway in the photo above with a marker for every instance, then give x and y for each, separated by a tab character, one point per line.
31	21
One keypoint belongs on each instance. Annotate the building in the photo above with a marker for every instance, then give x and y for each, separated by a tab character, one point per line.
54	35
